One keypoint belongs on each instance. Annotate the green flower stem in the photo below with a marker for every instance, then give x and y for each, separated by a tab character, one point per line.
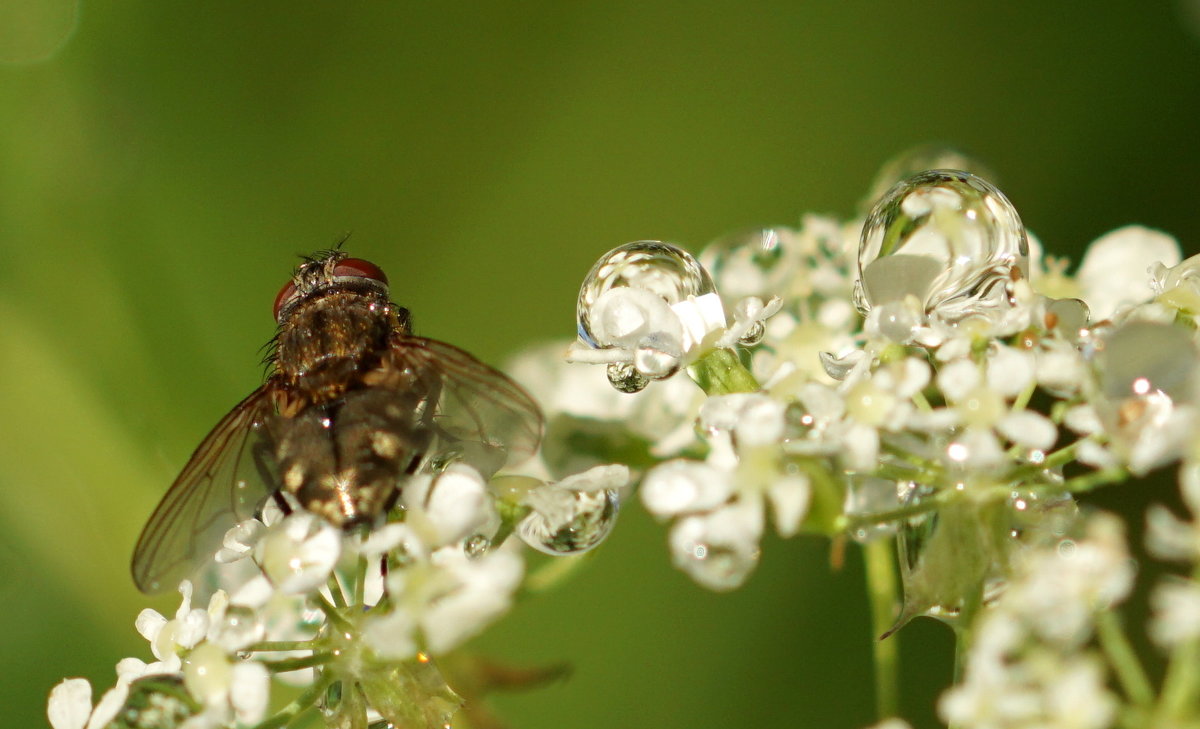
1179	697
553	573
295	664
1123	659
331	613
282	645
1182	682
335	591
720	372
882	588
1094	480
303	702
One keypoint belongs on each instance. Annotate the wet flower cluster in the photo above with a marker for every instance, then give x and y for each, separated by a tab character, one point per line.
924	377
921	379
356	621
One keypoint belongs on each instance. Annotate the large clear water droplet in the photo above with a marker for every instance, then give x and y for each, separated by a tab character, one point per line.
946	237
660	268
568	522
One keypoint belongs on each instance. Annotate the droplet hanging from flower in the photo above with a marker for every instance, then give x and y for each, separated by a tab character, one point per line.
648	304
946	238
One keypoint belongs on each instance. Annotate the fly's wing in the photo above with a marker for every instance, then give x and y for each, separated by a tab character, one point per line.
222	483
479	415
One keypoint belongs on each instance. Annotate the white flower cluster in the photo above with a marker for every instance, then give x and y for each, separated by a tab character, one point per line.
1029	665
313	605
972	366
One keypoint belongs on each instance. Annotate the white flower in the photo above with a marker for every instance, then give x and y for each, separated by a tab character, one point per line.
450	507
1115	271
227	690
70	705
299	553
682	486
1176	613
718	549
448	598
168	638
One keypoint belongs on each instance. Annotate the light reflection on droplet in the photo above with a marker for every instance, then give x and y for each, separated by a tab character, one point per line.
946	237
660	268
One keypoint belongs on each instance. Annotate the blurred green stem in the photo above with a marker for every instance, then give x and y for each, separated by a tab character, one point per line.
1123	659
720	372
882	588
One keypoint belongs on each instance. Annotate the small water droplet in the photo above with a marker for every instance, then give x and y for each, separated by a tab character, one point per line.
239	628
625	377
569	522
753	335
1068	317
477	546
868	495
660	268
946	237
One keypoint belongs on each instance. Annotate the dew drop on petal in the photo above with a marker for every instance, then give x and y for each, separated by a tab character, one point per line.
568	522
660	268
947	237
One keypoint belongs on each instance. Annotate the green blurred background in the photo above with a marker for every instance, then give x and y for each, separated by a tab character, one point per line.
161	164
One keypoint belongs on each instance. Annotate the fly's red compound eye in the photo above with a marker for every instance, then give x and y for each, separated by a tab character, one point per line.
285	293
359	267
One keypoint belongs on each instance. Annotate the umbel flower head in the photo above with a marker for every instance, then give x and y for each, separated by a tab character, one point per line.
357	619
921	377
924	358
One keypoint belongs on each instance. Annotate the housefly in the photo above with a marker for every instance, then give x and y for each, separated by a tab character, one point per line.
354	404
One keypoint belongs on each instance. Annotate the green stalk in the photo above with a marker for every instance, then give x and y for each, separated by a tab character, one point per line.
1123	659
720	372
882	589
302	703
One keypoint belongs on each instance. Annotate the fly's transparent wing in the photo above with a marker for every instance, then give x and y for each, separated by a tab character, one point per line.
478	413
222	483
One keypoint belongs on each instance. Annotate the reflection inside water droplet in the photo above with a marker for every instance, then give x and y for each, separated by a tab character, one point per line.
945	237
568	522
662	269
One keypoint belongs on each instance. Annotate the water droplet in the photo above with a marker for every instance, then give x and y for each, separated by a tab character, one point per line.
753	335
568	522
868	495
239	628
660	268
477	546
945	237
1068	317
750	262
625	377
919	159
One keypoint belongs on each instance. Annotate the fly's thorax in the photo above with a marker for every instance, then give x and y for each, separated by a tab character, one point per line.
329	340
